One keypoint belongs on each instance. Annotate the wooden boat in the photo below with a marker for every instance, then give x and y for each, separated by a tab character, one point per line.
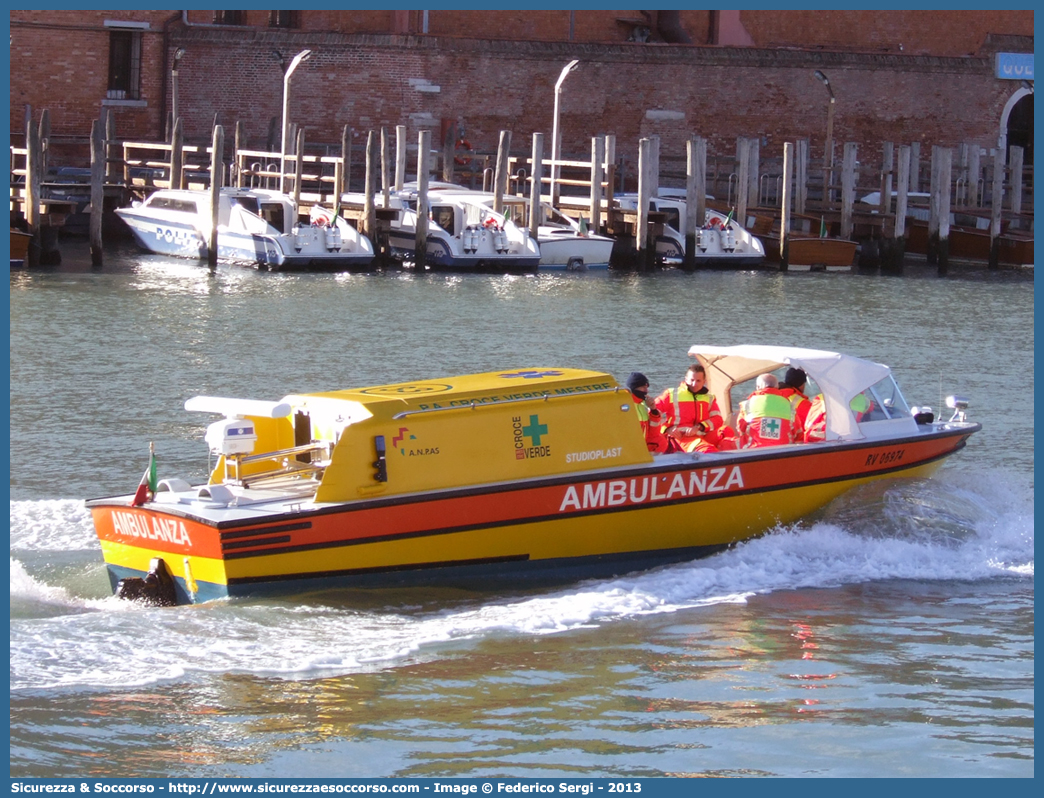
969	232
1015	247
255	226
807	251
19	247
534	474
811	253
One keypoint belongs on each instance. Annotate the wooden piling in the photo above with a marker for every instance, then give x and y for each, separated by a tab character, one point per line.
646	190
500	176
239	144
400	157
346	158
369	219
536	185
654	165
944	158
597	160
753	167
915	167
1015	178
800	176
112	153
876	250
33	190
785	207
177	156
895	257
972	196
695	195
216	170
299	171
931	248
848	184
386	175
610	172
45	140
884	207
449	146
421	244
742	178
996	203
97	190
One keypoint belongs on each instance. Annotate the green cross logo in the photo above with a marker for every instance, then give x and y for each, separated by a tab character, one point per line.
770	428
535	430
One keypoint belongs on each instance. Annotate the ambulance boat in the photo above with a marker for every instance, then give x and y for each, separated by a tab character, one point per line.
496	479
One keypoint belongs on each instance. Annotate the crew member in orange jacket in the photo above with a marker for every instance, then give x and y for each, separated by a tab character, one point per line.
691	415
793	388
815	421
649	417
766	416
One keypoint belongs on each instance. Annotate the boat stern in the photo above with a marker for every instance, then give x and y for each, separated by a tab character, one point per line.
144	540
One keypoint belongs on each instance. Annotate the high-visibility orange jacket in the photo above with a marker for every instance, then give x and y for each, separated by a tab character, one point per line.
652	426
684	410
815	421
765	419
801	405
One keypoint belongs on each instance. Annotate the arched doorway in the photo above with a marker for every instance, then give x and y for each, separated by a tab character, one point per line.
1020	126
1016	123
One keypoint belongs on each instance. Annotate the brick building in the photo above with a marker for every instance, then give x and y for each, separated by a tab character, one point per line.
935	77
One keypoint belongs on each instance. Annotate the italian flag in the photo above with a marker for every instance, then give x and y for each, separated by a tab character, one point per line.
147	486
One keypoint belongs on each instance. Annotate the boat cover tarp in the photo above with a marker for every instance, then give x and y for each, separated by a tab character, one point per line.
840	377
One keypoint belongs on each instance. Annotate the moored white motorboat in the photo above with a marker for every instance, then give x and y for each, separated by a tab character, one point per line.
255	226
535	474
464	235
721	242
565	243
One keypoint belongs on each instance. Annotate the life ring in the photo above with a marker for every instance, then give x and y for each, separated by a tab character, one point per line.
319	217
715	222
463	146
490	223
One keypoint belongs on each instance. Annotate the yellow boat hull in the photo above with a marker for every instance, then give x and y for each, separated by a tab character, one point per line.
598	527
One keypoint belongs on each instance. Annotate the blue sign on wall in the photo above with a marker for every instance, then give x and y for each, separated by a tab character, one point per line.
1015	66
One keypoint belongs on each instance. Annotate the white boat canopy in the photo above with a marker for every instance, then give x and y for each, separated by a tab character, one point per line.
840	377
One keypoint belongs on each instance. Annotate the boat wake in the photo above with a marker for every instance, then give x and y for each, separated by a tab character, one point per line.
67	631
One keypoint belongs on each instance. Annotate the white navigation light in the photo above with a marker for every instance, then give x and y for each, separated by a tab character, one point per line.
959	405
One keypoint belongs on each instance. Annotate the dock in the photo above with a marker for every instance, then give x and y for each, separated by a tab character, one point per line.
913	195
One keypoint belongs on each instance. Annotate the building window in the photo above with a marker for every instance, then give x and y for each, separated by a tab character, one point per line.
230	18
124	65
284	19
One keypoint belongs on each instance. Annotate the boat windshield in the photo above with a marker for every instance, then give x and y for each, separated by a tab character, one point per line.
247	203
673	217
443	216
161	202
274	214
552	216
881	401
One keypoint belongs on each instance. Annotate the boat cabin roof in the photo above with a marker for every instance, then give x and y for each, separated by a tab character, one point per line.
469	389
